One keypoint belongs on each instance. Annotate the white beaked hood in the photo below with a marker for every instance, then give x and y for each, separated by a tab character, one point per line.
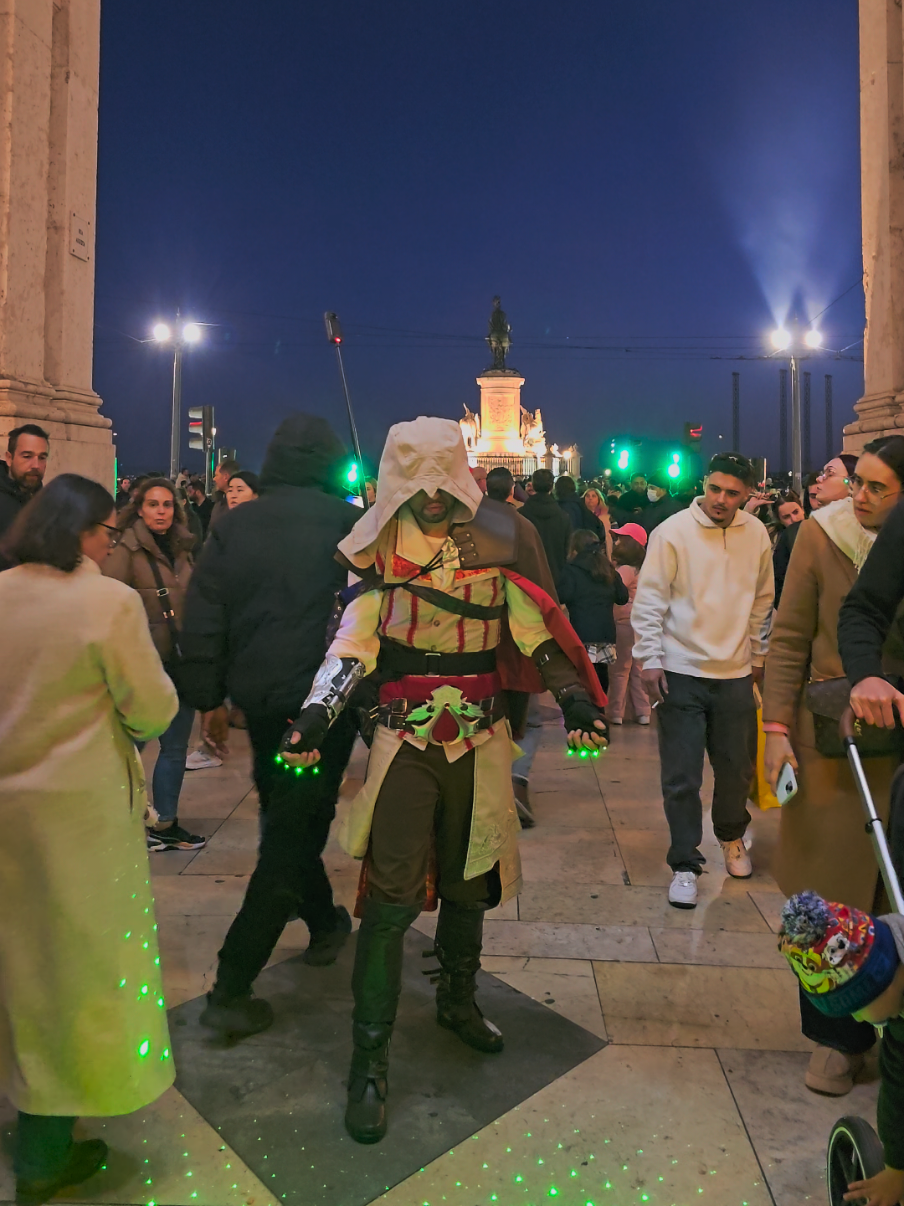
426	454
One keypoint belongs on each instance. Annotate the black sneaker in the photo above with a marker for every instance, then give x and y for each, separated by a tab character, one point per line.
174	838
85	1159
236	1017
323	949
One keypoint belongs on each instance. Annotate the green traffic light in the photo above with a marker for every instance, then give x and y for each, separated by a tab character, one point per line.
623	457
352	476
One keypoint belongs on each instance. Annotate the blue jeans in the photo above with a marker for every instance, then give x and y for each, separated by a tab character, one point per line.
169	770
530	742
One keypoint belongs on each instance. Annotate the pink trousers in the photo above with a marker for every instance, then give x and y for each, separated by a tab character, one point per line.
624	676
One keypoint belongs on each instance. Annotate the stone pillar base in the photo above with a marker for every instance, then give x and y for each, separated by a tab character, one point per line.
80	438
877	415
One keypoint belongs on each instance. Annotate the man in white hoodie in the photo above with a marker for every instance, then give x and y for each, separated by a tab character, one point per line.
701	620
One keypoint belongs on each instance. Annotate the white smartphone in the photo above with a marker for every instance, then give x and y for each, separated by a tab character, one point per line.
786	788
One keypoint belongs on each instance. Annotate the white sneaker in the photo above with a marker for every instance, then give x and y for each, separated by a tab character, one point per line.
737	860
643	720
614	720
683	890
201	760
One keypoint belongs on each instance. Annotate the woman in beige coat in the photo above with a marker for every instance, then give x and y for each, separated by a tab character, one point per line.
822	842
82	1019
154	555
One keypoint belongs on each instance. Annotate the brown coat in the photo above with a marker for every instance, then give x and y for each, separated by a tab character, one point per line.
822	842
129	563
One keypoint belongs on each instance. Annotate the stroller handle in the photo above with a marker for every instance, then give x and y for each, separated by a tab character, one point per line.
874	826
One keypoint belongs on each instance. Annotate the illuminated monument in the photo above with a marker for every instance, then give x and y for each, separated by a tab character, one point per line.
504	433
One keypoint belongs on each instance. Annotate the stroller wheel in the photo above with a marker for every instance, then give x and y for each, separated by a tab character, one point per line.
854	1154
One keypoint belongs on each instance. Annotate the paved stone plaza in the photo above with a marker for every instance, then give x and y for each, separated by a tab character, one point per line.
652	1055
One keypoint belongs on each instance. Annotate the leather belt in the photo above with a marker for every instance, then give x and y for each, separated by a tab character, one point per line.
394	715
396	658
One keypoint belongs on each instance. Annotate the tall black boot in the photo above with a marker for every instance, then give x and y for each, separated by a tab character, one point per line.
459	939
376	985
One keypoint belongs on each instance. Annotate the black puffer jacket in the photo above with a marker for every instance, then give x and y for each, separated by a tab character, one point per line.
12	498
554	527
262	592
590	602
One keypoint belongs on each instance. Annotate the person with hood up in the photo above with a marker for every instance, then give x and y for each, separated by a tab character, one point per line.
254	629
441	566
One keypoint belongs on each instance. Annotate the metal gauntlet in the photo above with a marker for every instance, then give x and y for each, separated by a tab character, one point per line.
334	683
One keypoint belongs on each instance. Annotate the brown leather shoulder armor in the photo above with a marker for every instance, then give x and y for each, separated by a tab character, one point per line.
491	537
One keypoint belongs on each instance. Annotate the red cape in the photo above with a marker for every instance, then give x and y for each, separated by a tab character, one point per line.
518	672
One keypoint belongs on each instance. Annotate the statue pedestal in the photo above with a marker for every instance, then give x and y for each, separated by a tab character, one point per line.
500	413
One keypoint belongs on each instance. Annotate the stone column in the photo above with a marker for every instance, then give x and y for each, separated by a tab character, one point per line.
881	409
500	413
49	63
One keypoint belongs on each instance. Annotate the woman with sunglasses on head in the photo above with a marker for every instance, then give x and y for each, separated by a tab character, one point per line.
823	846
154	557
82	682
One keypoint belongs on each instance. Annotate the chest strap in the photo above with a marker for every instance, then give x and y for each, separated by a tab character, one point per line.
458	607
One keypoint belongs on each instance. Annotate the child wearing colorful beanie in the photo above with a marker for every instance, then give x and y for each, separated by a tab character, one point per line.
852	963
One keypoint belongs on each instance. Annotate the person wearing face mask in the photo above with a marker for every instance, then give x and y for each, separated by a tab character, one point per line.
154	556
822	842
662	505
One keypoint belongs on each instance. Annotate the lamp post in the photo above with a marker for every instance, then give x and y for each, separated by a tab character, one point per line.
793	345
186	333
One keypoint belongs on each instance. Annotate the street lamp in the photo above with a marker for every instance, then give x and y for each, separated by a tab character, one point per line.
786	341
186	334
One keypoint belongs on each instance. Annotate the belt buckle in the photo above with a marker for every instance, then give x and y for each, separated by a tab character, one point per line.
429	672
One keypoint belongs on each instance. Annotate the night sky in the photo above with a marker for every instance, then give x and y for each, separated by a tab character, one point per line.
649	187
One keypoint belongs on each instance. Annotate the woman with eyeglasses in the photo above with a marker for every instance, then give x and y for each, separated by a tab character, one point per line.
154	558
82	1020
831	484
822	842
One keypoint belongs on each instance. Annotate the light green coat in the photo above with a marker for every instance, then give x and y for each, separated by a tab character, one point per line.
82	1020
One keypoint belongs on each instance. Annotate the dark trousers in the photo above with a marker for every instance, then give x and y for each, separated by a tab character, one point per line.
841	1034
425	801
602	673
296	811
714	716
42	1146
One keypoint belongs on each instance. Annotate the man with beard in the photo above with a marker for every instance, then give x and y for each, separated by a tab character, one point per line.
455	604
22	470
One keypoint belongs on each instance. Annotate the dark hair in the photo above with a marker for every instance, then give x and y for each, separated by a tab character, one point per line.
789	496
499	483
48	530
542	480
197	483
628	551
849	459
31	429
565	487
734	465
130	514
889	450
635	476
600	567
251	480
228	465
806	485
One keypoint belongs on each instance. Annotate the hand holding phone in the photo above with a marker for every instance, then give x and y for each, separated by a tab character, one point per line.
786	787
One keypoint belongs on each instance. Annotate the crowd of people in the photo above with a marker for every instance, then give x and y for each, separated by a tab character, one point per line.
426	617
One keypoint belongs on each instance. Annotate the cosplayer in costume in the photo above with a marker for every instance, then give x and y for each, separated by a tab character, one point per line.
444	623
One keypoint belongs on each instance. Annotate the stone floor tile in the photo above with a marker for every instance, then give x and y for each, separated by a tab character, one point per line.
717	948
770	904
565	985
618	1128
542	940
724	905
176	895
579	810
570	855
165	1153
676	1005
788	1125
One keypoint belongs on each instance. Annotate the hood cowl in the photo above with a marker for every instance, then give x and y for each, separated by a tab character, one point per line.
304	451
426	454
